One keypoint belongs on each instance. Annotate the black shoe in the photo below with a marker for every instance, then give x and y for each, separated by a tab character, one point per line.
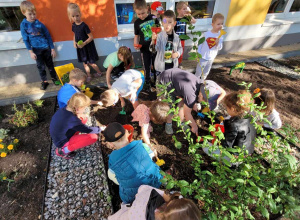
60	152
44	85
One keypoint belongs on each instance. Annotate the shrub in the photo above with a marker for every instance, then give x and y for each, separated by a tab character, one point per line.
22	118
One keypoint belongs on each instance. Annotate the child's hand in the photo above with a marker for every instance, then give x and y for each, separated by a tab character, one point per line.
193	20
32	55
75	45
53	53
81	45
154	36
175	55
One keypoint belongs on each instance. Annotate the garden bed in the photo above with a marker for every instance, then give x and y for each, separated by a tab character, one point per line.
287	94
27	165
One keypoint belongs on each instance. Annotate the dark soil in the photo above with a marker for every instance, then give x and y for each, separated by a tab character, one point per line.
27	165
292	62
287	104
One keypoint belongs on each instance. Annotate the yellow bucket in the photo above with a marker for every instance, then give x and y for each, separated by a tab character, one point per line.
62	70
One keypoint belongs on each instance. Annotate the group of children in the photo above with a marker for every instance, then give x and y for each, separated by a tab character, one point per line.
130	164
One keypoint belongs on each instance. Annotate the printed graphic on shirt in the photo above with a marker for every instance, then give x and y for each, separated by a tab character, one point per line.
211	41
146	29
168	52
180	28
33	31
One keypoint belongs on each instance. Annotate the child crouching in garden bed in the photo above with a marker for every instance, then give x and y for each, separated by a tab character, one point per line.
68	122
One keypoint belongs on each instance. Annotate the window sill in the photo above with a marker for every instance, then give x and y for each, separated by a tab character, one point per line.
281	21
11	45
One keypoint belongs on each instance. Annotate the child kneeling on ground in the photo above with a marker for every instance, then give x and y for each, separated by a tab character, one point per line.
130	163
239	132
67	123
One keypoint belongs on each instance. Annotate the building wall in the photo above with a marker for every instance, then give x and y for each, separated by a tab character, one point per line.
245	23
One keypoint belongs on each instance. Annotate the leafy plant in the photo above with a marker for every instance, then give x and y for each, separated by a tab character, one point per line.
3	133
65	79
38	103
3	178
7	146
254	186
22	118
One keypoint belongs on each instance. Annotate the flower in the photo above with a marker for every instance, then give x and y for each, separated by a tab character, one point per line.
10	147
3	154
257	90
1	140
4	178
16	141
1	146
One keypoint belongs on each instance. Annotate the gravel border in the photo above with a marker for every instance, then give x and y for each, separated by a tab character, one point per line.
78	188
279	68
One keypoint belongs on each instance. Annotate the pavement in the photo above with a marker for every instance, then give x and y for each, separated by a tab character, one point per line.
23	93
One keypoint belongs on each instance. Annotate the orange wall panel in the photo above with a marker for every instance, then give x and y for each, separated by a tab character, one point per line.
245	12
99	15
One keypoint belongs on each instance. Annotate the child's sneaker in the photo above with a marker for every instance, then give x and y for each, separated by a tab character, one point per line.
168	128
44	85
56	82
60	152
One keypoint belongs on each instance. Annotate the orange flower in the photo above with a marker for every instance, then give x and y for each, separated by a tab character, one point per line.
3	154
10	147
1	146
257	90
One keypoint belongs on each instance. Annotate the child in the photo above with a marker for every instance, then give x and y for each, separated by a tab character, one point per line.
143	35
128	85
130	162
66	124
157	10
155	111
77	78
210	47
157	204
117	62
168	44
267	98
83	41
38	42
239	132
183	12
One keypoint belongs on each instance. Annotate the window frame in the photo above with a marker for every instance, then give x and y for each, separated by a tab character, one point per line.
10	35
170	5
285	15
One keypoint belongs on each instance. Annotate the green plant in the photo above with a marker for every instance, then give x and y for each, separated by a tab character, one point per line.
7	146
3	133
22	118
65	78
254	186
38	103
3	178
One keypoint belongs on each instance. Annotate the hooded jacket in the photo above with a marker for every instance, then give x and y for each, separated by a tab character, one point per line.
133	167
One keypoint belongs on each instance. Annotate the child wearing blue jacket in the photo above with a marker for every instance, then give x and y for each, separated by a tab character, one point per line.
38	42
130	162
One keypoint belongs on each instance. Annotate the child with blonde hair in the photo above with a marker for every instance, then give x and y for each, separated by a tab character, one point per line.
129	85
239	132
210	47
267	100
67	123
183	12
83	41
38	42
155	111
117	62
159	205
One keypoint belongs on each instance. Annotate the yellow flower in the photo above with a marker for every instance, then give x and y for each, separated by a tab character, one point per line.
4	178
16	141
3	154
10	147
1	146
1	140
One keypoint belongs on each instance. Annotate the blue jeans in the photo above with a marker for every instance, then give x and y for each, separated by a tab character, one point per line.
43	59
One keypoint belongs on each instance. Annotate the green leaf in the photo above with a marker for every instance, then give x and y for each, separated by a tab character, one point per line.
184	37
208	137
183	183
170	185
239	180
163	180
230	193
178	145
184	20
234	208
201	40
265	212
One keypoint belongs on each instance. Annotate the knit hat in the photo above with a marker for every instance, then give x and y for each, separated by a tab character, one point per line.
113	132
157	6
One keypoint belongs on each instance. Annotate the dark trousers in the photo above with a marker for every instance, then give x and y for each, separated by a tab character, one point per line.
118	69
43	59
147	61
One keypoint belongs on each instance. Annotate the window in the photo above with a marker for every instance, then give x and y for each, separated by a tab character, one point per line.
277	6
10	18
202	10
295	6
